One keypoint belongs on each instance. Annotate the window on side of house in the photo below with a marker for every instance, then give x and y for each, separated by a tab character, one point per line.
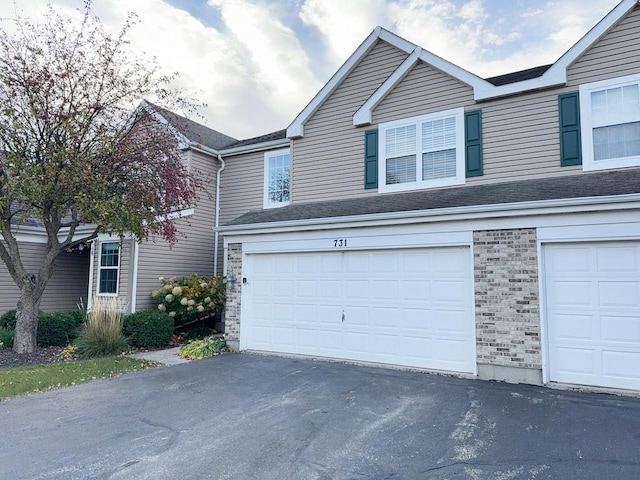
610	114
109	266
277	172
422	152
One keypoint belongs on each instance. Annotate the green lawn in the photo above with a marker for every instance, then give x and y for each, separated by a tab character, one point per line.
26	380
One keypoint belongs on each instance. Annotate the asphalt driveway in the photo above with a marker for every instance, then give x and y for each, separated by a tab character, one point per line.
241	416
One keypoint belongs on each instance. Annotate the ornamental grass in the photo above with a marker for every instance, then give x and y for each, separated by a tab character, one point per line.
102	334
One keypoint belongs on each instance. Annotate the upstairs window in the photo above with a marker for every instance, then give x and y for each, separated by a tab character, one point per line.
277	172
422	152
610	112
108	269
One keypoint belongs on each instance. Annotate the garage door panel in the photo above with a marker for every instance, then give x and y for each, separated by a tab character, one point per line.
573	293
415	291
330	289
306	289
617	259
449	292
356	315
593	319
621	365
389	311
306	314
573	328
620	329
358	289
450	322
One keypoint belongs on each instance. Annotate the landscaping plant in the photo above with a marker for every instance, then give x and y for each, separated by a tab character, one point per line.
148	328
207	347
191	298
102	333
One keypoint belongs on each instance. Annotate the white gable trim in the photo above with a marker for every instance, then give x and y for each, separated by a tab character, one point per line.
183	141
296	129
482	90
364	114
557	74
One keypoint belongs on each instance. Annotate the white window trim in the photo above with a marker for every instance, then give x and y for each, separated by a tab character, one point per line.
588	162
459	178
267	155
100	267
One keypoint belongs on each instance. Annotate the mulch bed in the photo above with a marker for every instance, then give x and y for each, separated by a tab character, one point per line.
40	356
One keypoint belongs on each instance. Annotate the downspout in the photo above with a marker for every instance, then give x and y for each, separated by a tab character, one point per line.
217	221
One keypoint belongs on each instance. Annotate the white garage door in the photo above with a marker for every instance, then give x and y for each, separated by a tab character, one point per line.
593	313
405	307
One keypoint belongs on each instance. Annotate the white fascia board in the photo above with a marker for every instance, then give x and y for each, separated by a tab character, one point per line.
31	234
257	147
504	210
296	129
557	73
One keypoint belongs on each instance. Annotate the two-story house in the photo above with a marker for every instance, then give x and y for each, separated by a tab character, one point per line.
434	219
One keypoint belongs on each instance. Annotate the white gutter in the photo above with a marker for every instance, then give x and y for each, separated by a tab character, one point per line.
217	221
256	147
500	210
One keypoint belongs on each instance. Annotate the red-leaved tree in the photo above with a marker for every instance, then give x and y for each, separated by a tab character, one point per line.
76	155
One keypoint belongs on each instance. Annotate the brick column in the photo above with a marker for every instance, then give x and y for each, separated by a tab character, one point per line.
507	305
232	307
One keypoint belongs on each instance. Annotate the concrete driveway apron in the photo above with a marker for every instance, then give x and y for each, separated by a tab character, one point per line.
243	416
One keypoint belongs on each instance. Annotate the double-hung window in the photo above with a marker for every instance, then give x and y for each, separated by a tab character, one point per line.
277	172
109	265
610	113
422	152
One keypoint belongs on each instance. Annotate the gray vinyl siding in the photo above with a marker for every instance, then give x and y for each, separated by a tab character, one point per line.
193	252
67	288
328	160
615	55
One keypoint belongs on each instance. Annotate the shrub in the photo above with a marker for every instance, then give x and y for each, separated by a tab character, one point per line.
6	337
207	347
148	328
102	333
8	320
191	298
58	328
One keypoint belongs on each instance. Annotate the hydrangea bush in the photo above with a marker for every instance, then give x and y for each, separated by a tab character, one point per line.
190	298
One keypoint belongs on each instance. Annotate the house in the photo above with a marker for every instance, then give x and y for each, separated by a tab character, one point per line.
124	268
433	219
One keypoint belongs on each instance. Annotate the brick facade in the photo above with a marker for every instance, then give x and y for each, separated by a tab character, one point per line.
234	290
507	298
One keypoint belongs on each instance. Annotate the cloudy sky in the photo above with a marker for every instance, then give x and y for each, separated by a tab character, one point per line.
257	63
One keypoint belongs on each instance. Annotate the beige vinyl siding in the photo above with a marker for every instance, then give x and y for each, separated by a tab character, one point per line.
328	161
193	252
424	90
614	55
67	288
242	187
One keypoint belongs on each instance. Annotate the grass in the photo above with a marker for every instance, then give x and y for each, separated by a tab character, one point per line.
19	381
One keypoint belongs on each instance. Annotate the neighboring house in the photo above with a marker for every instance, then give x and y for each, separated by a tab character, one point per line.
129	270
438	220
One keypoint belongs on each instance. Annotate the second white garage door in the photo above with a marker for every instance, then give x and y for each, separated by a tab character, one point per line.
410	307
593	313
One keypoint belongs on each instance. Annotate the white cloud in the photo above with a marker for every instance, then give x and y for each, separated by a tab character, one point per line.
343	25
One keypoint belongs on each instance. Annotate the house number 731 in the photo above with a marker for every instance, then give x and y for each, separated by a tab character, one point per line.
340	242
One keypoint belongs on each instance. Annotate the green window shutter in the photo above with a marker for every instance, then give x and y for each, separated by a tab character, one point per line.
371	159
473	143
570	148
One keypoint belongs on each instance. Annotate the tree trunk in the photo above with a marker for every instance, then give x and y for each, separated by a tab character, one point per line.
26	319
